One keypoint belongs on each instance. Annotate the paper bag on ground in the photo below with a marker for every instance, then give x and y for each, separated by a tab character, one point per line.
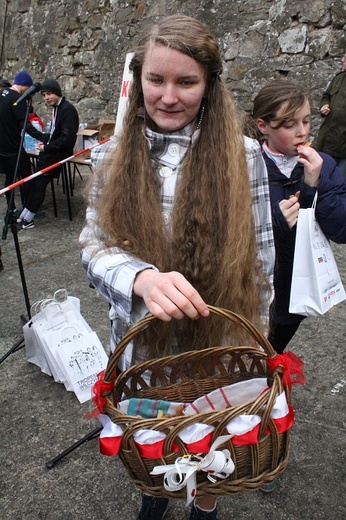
48	322
81	360
33	349
53	339
59	340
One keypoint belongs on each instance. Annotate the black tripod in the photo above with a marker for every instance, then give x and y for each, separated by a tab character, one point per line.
91	435
11	220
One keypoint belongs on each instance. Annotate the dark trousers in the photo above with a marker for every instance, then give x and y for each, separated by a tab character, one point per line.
37	192
8	167
281	334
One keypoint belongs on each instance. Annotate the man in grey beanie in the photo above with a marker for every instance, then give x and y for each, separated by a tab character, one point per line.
59	146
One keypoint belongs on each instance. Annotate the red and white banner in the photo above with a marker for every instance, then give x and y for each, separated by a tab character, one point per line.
124	94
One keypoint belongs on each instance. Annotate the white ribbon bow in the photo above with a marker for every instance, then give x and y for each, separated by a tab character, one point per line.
183	472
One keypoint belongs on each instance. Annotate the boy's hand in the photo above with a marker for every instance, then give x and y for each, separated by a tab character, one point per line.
290	209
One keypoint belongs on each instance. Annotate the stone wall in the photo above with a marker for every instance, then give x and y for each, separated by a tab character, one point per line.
83	44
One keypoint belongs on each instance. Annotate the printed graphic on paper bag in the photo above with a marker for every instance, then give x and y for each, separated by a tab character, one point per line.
321	244
330	293
87	382
82	360
324	258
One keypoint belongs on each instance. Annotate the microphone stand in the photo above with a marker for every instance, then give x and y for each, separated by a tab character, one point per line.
12	219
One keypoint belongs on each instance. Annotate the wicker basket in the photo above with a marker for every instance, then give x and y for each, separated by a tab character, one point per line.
184	378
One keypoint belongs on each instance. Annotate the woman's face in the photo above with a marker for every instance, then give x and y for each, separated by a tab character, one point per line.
173	86
292	133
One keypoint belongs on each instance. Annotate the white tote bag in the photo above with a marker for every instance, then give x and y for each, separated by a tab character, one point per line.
33	348
81	357
49	314
316	284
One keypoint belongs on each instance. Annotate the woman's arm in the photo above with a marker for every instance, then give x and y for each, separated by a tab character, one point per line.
262	218
111	271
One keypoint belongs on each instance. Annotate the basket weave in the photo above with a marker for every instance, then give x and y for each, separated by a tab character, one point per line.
184	378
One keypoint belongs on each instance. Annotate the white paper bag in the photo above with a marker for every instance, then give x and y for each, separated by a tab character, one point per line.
52	317
33	348
81	360
53	339
316	284
59	340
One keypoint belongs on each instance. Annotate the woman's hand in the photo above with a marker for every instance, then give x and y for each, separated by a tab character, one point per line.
169	295
312	162
290	210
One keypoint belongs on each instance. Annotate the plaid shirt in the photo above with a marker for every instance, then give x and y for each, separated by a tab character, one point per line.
113	272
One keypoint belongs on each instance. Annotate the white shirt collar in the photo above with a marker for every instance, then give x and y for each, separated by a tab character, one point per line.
285	163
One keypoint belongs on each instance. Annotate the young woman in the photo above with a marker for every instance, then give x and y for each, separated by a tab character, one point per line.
179	211
281	119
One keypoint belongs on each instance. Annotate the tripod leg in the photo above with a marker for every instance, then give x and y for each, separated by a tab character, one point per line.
20	344
91	435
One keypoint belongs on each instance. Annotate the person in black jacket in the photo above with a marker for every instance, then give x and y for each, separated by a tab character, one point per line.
60	144
282	116
12	119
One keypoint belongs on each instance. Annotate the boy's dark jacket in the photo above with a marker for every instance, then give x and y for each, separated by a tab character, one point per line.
330	213
62	141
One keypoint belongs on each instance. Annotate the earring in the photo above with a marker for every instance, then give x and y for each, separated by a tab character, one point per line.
201	114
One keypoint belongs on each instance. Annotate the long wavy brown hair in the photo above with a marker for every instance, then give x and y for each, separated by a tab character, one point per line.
212	242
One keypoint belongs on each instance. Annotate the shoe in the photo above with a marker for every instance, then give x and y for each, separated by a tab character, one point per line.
24	224
268	488
198	514
153	508
1	266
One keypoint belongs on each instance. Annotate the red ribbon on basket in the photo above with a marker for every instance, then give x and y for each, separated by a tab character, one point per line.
292	365
99	388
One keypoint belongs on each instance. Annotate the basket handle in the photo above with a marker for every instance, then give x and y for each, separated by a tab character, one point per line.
144	322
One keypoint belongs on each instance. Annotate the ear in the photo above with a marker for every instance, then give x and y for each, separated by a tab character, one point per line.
261	125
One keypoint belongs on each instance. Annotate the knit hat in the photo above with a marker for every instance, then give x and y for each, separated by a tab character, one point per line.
23	78
51	85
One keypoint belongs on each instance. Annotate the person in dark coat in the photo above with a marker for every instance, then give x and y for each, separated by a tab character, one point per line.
59	146
331	137
12	118
282	116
